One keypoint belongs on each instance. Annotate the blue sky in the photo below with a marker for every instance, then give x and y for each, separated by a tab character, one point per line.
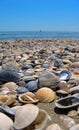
30	15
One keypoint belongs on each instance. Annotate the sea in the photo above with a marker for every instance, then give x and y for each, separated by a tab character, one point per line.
8	35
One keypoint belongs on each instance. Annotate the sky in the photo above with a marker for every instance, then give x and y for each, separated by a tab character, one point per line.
35	15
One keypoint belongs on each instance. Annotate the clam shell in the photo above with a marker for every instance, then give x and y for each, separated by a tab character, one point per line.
25	116
61	93
63	86
58	63
67	102
5	122
22	90
8	75
74	90
48	79
68	121
53	127
40	121
72	113
28	97
4	90
32	86
76	71
74	65
10	85
64	75
45	94
15	108
7	99
75	127
5	109
28	78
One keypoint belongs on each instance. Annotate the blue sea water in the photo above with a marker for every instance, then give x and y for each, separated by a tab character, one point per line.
6	35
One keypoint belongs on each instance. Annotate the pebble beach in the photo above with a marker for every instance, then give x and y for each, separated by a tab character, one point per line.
33	64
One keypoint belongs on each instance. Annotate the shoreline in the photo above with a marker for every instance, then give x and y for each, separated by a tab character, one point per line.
38	39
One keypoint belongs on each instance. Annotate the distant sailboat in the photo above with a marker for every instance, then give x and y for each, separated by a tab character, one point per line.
40	30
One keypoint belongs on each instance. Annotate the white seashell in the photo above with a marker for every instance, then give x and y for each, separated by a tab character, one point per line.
25	115
11	86
75	127
5	122
15	108
30	117
68	122
28	97
53	127
40	121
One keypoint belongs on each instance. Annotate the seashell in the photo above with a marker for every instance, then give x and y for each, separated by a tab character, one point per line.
8	75
74	65
22	90
76	71
68	121
32	86
30	72
26	66
45	65
4	90
28	97
66	61
11	64
21	83
48	79
75	127
28	78
10	85
15	108
45	94
41	51
25	116
63	86
39	62
74	90
61	93
40	121
78	110
5	122
67	102
13	93
7	99
64	75
53	127
72	113
58	63
5	109
17	58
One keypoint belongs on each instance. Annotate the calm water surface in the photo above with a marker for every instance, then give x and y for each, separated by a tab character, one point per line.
37	34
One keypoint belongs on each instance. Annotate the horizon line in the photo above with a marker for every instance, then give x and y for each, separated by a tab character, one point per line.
39	31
